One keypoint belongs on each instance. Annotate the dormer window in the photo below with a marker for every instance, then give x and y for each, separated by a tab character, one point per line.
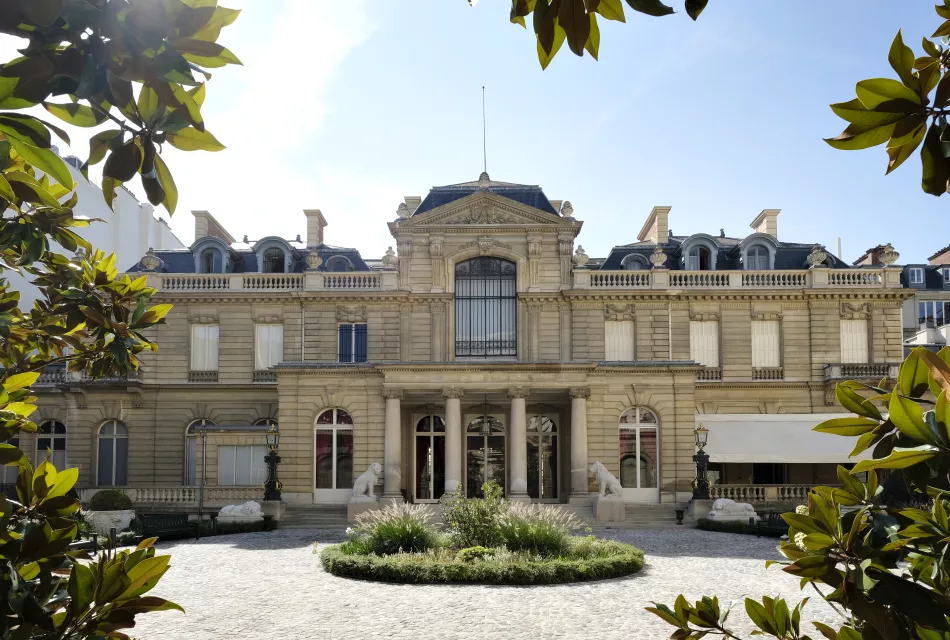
699	258
210	261
916	275
946	275
273	261
756	258
634	262
339	264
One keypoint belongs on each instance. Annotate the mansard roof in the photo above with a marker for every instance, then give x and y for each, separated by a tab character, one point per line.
244	258
788	255
530	195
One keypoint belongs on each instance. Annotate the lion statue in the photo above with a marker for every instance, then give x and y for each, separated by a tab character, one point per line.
367	480
727	506
609	485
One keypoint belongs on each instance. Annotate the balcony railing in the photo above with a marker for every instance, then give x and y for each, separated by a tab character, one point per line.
273	282
872	371
59	375
768	373
760	492
202	376
710	374
308	281
265	376
734	279
352	280
181	496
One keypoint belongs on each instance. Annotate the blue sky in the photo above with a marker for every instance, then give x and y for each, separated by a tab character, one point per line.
349	106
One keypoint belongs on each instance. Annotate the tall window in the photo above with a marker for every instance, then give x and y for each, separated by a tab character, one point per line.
352	342
191	450
618	340
51	436
639	459
765	344
934	312
334	450
204	347
698	258
542	458
704	342
486	308
854	341
430	458
241	465
268	345
273	260
113	461
757	258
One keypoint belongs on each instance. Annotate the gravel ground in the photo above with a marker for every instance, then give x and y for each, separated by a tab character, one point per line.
271	585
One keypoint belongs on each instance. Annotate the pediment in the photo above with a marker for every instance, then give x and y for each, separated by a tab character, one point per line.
485	209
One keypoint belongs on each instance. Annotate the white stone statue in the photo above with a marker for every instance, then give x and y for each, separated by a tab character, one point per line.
726	509
609	485
248	512
363	487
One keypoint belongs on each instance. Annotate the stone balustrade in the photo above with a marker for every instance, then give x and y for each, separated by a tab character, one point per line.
872	371
768	373
709	374
386	280
761	492
773	279
181	496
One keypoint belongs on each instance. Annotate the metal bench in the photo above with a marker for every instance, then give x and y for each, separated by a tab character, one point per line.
90	544
164	524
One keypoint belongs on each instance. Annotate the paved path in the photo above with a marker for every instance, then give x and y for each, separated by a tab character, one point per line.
271	585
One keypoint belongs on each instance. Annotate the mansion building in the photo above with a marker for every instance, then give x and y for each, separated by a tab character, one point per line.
488	346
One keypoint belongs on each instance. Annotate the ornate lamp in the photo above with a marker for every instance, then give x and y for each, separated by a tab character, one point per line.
272	486
701	483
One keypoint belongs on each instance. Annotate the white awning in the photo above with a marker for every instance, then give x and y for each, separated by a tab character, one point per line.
774	438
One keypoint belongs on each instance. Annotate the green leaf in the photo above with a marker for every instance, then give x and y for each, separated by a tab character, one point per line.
168	184
939	367
899	459
877	91
147	102
25	128
100	143
902	61
857	137
204	53
78	115
593	40
611	10
936	169
545	58
81	588
897	155
914	375
190	139
851	426
573	18
854	402
123	163
20	381
855	112
650	7
695	7
65	480
45	160
154	314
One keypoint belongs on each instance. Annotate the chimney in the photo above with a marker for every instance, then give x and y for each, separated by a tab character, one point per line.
767	222
206	225
315	224
413	203
657	226
871	257
941	257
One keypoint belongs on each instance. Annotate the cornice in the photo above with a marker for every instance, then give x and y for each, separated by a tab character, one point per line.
707	385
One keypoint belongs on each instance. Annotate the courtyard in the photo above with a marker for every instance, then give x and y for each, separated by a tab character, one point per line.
271	585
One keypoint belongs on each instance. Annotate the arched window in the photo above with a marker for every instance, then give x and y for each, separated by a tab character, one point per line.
430	458
639	452
210	261
191	450
113	460
334	450
756	258
542	458
274	261
339	264
486	312
51	436
633	262
699	258
267	423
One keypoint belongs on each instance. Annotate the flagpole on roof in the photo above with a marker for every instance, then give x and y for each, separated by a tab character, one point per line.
484	134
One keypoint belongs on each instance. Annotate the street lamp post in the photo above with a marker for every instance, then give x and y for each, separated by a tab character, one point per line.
701	483
272	486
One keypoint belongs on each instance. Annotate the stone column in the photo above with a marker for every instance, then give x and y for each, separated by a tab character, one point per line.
579	482
453	438
518	446
392	456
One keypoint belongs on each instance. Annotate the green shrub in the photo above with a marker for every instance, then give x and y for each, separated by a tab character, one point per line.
474	553
473	522
110	500
398	527
738	527
536	528
583	561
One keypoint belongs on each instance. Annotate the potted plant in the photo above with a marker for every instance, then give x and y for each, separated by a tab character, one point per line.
109	509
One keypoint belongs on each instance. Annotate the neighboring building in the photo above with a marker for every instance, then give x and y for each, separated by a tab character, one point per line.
926	315
486	348
128	231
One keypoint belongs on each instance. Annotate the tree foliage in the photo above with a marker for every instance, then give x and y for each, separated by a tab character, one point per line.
884	567
139	67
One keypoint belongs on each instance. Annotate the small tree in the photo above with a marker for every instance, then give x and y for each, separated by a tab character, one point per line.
886	567
136	65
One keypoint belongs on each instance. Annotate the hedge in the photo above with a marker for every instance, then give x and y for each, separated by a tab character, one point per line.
420	568
735	526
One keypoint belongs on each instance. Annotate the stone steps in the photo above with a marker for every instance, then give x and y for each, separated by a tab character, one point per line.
314	517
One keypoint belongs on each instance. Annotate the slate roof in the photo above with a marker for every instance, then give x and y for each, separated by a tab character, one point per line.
933	277
530	195
244	260
788	255
939	251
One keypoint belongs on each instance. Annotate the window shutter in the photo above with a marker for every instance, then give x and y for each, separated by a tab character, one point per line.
346	343
704	342
765	344
360	343
854	341
618	340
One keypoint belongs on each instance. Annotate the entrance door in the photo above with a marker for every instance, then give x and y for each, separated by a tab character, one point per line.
639	455
542	459
484	454
429	469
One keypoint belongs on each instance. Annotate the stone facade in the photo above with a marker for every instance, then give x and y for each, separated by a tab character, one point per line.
565	366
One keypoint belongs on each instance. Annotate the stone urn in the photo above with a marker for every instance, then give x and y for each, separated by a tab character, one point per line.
102	521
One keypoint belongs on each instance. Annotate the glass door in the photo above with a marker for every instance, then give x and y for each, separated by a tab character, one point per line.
429	469
639	455
542	459
484	455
